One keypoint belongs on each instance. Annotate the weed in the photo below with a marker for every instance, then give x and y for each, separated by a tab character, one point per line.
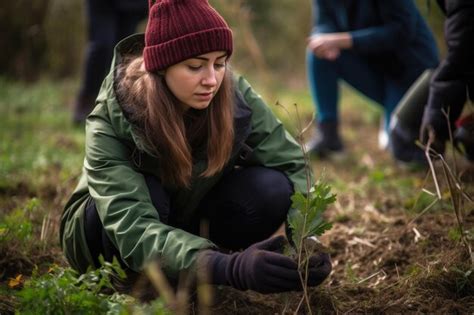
454	234
16	227
350	273
456	192
64	291
464	280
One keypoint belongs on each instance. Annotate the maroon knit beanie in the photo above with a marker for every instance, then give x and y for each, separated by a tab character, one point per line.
181	29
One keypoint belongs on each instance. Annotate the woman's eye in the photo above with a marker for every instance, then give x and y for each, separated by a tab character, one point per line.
219	65
194	67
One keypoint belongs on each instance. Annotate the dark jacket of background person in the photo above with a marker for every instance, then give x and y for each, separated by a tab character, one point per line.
392	33
454	78
116	160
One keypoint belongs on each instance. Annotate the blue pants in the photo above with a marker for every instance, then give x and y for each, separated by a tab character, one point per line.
246	206
357	71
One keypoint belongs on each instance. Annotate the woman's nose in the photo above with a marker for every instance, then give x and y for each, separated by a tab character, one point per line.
210	78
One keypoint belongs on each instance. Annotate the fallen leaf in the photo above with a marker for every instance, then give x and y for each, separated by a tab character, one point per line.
15	282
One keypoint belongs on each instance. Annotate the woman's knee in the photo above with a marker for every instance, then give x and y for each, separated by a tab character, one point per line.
273	189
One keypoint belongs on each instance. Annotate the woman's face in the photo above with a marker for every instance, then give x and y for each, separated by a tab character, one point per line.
195	81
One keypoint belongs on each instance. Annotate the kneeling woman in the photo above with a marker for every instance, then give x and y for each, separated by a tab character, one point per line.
174	140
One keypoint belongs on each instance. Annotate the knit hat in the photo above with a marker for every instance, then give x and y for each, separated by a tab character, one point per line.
181	29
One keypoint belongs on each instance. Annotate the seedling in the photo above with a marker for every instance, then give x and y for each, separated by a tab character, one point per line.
305	220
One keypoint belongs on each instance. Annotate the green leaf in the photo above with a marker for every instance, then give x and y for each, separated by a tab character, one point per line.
299	201
306	217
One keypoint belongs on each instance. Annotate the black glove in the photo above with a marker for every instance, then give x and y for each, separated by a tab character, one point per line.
263	268
435	122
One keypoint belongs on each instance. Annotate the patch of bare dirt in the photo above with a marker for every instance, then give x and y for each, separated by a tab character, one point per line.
385	259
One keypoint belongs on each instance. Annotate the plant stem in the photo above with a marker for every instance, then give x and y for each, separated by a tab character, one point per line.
455	200
308	191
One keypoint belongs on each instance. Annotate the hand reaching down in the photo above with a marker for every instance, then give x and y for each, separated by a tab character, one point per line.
263	268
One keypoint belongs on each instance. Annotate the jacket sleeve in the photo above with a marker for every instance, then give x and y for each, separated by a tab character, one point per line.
125	207
323	17
399	26
272	145
453	80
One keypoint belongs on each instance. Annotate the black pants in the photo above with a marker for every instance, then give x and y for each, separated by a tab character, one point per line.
246	206
107	24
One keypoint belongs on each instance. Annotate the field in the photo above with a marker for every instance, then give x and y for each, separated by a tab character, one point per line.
395	248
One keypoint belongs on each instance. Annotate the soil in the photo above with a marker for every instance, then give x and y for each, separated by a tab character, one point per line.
386	258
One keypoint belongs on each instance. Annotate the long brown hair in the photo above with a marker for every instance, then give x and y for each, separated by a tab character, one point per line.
168	131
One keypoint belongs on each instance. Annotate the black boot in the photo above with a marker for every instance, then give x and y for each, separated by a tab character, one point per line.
402	146
327	141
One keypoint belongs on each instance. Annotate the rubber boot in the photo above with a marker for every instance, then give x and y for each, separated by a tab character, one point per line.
327	142
404	128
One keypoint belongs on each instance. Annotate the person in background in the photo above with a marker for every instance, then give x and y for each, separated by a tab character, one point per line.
177	139
435	104
108	21
378	47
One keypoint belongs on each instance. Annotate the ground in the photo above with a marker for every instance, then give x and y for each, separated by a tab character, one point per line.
388	255
391	251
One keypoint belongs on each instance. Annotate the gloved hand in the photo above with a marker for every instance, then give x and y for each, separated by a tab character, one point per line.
263	268
434	122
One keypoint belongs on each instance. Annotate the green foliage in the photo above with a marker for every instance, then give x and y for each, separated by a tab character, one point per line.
38	144
464	280
64	291
350	273
306	218
454	234
422	201
16	227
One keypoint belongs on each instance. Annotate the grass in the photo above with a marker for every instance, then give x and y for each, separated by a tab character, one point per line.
38	139
387	255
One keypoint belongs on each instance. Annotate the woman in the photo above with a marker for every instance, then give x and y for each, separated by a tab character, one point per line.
378	47
176	140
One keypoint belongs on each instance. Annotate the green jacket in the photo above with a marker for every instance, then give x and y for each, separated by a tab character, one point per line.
114	163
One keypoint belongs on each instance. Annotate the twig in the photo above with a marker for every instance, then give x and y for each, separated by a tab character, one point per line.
371	276
159	282
299	304
451	139
423	212
458	214
456	182
308	191
430	162
418	235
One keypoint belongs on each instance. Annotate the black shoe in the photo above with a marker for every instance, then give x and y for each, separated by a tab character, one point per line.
402	145
327	142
